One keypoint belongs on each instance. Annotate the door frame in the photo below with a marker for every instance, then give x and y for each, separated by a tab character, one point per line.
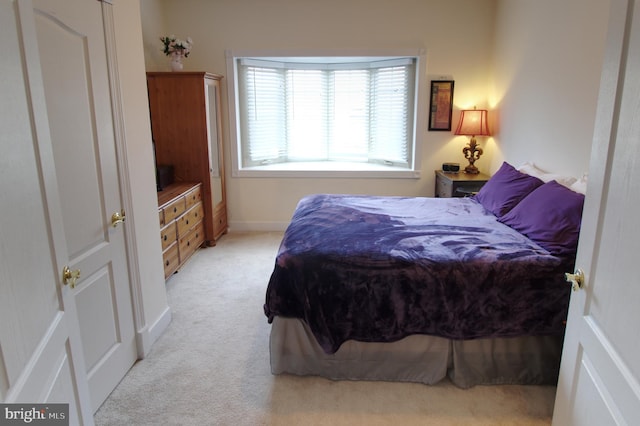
119	133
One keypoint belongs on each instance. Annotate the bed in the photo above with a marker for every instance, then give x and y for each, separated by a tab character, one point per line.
419	289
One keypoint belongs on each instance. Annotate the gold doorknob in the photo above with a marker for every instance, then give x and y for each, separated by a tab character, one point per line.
70	277
117	218
576	279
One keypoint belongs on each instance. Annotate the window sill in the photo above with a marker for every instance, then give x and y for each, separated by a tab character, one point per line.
326	170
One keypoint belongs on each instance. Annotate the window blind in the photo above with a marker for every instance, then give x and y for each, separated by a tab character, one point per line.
359	112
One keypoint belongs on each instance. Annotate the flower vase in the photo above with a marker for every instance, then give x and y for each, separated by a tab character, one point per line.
176	61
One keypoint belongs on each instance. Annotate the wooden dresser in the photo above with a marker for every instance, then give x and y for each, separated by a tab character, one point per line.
181	213
186	122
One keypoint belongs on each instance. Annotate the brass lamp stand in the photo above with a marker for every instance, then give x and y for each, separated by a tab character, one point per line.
472	152
473	122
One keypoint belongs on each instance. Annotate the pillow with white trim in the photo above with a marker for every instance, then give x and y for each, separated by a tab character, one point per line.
580	185
532	170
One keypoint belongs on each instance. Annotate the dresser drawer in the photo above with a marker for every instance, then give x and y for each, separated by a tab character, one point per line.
168	235
467	189
191	241
174	209
220	222
170	259
181	214
193	197
189	219
444	188
459	184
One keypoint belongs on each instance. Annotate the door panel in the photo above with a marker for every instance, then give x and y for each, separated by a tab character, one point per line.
599	380
214	155
40	354
61	383
100	335
78	101
71	120
590	405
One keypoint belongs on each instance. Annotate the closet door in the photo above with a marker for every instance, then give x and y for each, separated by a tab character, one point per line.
41	357
78	98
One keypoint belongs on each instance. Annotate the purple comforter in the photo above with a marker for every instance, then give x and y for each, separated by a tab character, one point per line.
377	269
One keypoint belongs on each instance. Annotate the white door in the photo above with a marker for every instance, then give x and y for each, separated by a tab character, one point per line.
76	82
599	380
40	352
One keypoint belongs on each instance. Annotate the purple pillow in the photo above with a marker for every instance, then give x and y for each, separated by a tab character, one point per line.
550	216
505	189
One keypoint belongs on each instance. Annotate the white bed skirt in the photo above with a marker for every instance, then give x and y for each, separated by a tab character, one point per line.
417	358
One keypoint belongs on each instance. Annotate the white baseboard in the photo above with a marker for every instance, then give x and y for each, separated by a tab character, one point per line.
147	336
257	226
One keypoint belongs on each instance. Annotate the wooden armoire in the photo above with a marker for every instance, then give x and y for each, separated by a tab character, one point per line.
186	126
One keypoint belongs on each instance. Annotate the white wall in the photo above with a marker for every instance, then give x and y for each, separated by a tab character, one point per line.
143	215
546	80
457	34
535	64
153	26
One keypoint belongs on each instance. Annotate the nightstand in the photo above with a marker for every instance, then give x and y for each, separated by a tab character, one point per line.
458	184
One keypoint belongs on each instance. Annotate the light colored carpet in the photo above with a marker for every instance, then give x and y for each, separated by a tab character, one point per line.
211	366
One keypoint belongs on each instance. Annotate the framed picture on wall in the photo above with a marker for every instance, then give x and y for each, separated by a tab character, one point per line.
441	105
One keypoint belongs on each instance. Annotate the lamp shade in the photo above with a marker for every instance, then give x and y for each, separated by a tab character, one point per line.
473	122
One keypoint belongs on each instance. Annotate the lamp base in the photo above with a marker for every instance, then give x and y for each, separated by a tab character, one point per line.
472	153
471	169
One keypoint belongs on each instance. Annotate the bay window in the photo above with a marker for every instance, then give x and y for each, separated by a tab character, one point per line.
333	114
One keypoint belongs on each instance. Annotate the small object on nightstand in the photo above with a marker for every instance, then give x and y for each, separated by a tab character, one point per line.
451	167
458	184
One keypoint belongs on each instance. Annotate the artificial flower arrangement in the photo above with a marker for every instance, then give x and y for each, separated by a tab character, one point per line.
175	45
